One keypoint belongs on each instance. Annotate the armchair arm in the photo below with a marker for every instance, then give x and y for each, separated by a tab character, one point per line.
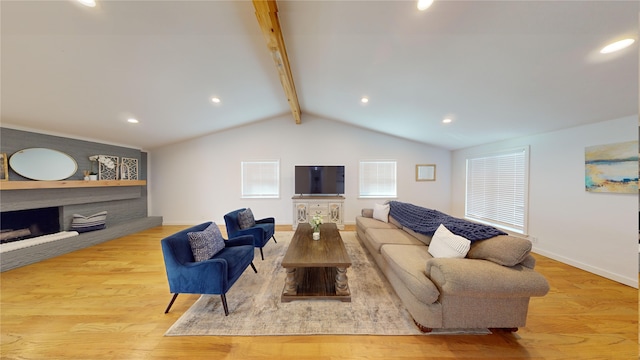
240	240
255	232
203	277
266	221
483	278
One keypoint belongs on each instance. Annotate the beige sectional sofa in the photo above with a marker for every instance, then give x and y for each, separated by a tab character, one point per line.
489	288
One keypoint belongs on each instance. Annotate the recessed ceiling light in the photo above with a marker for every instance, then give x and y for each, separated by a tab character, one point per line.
364	100
424	4
618	45
132	121
446	121
89	3
215	100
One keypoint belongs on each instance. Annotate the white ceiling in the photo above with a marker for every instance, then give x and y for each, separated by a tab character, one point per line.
499	69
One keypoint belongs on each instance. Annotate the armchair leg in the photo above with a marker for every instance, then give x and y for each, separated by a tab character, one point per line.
171	302
274	238
254	268
224	304
261	254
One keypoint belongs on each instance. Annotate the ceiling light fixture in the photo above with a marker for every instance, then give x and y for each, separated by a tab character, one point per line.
364	100
618	45
424	4
89	3
215	100
132	121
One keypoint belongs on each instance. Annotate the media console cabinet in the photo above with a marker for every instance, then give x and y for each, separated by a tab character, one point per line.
331	208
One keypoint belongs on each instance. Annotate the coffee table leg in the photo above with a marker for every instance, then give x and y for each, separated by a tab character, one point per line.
342	282
290	286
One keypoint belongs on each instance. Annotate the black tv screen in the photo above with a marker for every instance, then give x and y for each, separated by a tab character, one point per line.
319	180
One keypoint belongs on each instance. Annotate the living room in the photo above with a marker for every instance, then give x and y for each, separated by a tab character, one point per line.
198	177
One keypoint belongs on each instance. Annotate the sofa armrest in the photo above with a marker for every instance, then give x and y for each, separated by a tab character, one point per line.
368	213
483	278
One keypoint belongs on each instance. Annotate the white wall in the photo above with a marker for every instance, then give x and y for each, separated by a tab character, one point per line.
596	232
199	180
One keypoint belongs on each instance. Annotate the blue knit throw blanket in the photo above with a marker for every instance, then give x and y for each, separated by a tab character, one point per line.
426	221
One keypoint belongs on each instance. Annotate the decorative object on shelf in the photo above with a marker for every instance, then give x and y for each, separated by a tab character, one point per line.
88	175
107	166
129	169
316	221
4	169
612	168
43	164
426	172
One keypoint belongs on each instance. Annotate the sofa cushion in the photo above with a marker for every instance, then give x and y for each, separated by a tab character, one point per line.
206	243
395	222
446	244
407	262
426	239
381	212
246	219
368	213
379	237
504	250
369	223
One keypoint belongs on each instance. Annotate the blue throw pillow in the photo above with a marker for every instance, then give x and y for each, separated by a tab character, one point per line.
246	219
206	243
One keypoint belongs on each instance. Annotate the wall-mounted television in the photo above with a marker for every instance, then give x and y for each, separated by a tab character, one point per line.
319	179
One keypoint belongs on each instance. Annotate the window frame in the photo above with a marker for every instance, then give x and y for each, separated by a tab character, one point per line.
245	192
381	195
498	188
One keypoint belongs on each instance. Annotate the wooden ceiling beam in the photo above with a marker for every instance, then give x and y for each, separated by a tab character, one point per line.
267	15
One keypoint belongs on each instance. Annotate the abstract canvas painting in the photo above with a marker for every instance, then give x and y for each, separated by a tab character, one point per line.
612	168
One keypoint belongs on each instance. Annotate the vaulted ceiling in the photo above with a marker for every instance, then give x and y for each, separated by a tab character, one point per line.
498	69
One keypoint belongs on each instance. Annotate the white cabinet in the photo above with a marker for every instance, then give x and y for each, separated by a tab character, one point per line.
329	207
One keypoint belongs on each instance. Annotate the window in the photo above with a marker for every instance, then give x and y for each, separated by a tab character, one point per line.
261	179
497	189
378	179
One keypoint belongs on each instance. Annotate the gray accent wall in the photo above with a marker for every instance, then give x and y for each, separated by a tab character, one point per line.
126	205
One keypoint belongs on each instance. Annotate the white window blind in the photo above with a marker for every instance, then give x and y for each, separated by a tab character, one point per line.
261	179
497	189
378	179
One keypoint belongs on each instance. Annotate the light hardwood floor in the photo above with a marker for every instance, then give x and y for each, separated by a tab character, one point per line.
108	301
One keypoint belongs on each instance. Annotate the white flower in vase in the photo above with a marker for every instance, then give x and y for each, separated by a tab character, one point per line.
316	221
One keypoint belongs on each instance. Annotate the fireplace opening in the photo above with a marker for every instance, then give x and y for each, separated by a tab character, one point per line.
27	224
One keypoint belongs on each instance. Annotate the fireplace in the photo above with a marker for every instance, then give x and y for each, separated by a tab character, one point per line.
26	224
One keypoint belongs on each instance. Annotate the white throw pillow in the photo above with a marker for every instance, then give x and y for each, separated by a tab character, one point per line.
381	212
446	244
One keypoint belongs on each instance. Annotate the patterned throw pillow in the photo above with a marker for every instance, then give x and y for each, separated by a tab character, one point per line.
246	219
206	243
82	223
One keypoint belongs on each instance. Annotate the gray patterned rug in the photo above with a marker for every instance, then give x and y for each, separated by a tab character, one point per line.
255	307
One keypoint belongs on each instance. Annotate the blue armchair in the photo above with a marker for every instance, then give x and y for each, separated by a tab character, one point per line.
213	276
262	232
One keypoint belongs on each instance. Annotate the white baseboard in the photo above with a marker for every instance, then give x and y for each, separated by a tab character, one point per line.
633	282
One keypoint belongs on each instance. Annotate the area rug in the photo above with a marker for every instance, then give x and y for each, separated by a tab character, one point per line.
255	308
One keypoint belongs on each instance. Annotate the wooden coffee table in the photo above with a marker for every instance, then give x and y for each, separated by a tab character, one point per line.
316	269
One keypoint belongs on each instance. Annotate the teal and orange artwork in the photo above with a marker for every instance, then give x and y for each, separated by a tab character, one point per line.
612	168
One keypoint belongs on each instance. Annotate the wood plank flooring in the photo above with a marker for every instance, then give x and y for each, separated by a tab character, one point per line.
108	301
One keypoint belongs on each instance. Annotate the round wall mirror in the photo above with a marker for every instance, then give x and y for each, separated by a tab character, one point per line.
43	164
